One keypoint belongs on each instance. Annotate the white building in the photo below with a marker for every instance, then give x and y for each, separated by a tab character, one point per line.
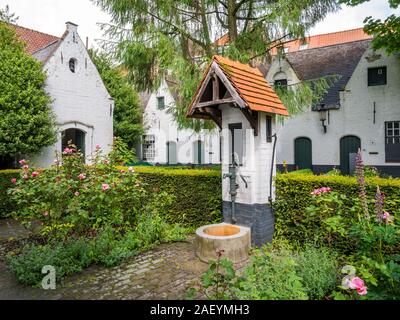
361	110
165	143
81	102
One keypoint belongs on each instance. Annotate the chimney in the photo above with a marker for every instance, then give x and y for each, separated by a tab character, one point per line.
72	27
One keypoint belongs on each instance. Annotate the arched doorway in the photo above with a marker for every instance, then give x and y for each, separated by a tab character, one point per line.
303	153
76	137
171	152
198	152
349	146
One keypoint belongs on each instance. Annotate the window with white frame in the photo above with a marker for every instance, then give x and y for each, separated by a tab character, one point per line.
149	147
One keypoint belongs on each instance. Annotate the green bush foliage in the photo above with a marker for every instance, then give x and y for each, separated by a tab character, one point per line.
6	204
109	248
276	271
318	267
27	122
272	275
196	192
293	195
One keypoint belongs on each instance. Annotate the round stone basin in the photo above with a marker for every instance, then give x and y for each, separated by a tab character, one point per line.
234	240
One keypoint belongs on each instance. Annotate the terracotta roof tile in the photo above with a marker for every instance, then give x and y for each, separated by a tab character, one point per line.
317	41
34	40
328	39
250	84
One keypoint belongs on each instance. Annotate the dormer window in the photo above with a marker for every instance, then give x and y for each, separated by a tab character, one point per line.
377	76
280	80
72	65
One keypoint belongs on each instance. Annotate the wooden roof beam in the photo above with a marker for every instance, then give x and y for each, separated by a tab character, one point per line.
252	117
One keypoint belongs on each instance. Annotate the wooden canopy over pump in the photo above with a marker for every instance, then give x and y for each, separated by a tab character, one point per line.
239	85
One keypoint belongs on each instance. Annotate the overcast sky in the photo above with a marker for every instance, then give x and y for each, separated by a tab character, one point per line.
49	16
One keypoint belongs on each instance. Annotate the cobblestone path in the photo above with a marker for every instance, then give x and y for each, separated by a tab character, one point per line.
165	272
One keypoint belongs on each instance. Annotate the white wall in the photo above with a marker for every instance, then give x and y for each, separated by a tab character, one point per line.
355	116
257	158
80	99
162	124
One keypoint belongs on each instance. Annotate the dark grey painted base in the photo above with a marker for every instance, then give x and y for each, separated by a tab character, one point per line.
258	217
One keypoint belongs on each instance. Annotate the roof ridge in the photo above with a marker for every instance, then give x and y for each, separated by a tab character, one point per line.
47	34
329	45
328	33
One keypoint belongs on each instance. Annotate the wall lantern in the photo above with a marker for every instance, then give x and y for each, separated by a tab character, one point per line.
322	117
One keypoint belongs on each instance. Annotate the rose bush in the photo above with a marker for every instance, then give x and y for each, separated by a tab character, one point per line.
77	198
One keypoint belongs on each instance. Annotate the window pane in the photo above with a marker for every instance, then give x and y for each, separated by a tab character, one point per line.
236	147
160	102
376	76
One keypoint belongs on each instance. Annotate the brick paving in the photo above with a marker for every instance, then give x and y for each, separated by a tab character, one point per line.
165	272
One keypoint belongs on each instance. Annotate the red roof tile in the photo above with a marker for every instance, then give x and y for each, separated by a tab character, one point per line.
251	86
34	40
317	41
328	39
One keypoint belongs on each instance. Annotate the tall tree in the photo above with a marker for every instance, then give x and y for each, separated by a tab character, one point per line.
155	39
127	112
7	16
26	119
387	32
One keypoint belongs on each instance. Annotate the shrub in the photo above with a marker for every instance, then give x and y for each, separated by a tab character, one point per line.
67	258
272	275
294	222
302	171
184	184
77	199
109	248
197	193
318	269
7	206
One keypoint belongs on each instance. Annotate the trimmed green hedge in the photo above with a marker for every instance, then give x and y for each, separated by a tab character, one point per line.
293	196
6	207
196	192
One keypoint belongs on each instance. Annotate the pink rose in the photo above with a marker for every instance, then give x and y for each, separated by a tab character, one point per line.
355	283
13	180
82	176
77	193
68	150
25	177
46	213
106	161
105	186
362	291
35	174
98	147
358	284
130	169
122	171
22	162
25	167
